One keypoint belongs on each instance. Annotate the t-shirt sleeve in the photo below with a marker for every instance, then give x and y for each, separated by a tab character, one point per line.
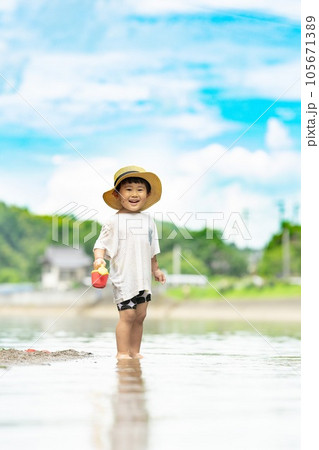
107	240
155	248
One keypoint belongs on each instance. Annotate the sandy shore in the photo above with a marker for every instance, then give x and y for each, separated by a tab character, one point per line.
280	310
288	310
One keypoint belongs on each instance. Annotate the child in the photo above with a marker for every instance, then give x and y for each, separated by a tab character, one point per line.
129	240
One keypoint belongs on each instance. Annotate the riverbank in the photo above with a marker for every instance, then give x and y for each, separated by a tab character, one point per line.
274	310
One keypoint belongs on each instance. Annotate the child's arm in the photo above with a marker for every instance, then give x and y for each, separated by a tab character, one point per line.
158	274
99	254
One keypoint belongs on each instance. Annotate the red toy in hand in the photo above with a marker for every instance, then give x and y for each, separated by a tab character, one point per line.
99	277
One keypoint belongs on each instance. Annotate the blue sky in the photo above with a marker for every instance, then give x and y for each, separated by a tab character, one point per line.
174	86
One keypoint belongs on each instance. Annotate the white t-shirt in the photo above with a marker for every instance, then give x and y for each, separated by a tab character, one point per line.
130	241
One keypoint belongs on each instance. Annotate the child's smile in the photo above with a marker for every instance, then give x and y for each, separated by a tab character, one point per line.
133	196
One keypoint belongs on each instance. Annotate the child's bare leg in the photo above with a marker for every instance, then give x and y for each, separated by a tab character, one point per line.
123	333
137	330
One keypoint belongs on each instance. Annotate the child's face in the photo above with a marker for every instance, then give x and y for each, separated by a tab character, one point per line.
132	196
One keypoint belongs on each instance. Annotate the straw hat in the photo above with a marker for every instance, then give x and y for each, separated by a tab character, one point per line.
134	171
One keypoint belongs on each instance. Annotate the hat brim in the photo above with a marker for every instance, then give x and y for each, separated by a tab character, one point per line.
154	195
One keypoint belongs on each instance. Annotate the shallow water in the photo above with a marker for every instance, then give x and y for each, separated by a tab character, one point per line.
200	384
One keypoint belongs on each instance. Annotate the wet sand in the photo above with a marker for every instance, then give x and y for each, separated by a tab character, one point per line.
11	356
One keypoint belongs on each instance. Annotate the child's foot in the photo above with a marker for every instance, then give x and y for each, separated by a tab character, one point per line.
137	356
123	356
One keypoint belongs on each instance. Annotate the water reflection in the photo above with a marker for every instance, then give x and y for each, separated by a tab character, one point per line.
130	427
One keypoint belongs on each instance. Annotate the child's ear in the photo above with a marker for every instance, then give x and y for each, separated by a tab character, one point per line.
115	193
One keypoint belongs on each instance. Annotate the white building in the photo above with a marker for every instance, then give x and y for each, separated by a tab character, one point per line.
64	267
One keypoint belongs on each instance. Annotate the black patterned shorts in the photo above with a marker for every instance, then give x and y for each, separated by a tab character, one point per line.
141	297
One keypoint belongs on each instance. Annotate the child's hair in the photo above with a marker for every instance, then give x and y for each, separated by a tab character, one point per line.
134	180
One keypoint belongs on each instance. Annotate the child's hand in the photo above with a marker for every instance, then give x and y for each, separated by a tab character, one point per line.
98	263
159	276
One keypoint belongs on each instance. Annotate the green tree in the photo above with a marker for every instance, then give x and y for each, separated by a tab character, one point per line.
271	263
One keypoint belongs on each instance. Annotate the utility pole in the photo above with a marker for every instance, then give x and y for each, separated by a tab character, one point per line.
177	259
285	253
285	241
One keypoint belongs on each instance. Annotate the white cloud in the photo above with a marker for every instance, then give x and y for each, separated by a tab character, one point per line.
80	77
201	124
76	93
257	167
8	6
275	80
65	90
266	81
78	181
285	8
277	135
